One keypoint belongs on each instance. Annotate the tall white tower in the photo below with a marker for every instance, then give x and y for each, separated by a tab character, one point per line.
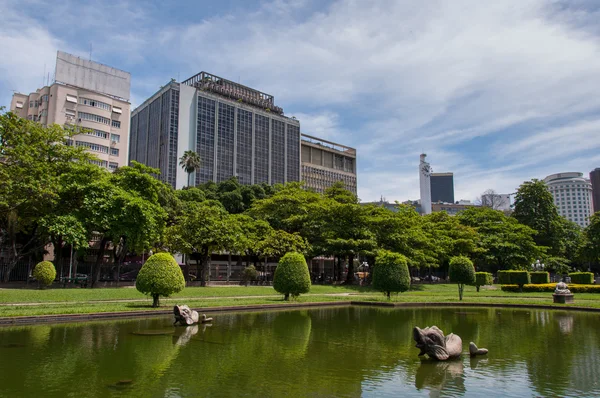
424	177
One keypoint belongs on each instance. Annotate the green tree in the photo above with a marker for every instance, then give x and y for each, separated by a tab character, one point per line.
277	243
32	160
534	207
291	276
345	232
504	243
590	247
203	229
160	276
462	272
45	273
390	273
190	162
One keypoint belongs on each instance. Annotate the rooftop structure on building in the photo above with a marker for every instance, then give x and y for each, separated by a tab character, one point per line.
89	95
452	208
382	203
237	131
572	195
324	163
496	201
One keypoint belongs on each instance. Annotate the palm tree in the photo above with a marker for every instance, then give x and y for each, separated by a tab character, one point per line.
190	162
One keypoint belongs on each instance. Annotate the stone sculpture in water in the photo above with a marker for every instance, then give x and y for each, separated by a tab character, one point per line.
184	315
431	341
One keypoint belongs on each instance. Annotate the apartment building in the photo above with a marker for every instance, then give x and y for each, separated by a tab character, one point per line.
87	94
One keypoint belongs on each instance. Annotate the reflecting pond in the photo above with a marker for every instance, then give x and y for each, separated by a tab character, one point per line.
325	352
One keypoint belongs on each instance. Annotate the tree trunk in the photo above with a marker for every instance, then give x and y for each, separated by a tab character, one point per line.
189	175
58	265
155	300
99	261
228	267
201	271
350	274
286	297
460	291
477	288
389	297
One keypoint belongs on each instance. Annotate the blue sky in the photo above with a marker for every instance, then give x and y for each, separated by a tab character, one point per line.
496	92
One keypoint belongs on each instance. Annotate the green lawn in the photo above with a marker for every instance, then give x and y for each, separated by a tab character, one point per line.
83	301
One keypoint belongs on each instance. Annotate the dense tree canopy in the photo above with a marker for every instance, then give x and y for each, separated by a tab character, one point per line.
51	192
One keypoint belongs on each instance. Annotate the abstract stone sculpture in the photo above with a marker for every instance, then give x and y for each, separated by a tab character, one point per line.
431	341
474	351
184	315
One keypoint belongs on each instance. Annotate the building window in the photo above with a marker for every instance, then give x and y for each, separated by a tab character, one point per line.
93	118
116	124
113	165
114	151
116	109
115	137
101	163
70	113
19	104
71	98
45	98
97	133
92	147
94	103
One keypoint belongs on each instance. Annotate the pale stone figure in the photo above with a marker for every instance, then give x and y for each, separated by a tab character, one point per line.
562	288
431	341
185	316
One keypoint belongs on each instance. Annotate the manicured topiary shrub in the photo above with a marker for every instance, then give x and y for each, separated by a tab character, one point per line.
539	277
482	279
390	273
549	288
249	274
160	276
519	278
292	276
462	272
582	278
504	277
513	277
45	273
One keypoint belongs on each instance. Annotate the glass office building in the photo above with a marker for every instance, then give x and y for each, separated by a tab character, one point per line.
236	130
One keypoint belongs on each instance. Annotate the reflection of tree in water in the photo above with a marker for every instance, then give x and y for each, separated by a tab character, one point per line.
447	376
291	332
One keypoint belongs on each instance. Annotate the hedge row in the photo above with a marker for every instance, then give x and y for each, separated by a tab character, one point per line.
539	277
513	277
549	288
583	278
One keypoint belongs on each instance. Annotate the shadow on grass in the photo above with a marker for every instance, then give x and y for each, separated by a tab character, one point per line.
416	287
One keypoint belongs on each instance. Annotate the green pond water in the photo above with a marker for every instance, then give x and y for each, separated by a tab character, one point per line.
327	352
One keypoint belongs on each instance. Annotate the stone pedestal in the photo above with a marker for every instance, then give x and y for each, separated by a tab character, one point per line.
563	298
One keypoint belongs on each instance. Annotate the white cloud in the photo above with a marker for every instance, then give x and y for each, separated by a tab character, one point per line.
479	86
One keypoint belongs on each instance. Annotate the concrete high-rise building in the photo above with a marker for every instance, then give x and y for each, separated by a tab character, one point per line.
325	163
595	180
572	195
442	187
425	185
236	130
89	95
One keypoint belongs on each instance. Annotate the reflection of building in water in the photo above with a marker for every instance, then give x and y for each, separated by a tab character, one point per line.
565	323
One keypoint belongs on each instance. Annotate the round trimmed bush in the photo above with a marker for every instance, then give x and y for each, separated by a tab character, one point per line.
160	276
482	279
390	273
292	276
45	273
249	274
462	272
